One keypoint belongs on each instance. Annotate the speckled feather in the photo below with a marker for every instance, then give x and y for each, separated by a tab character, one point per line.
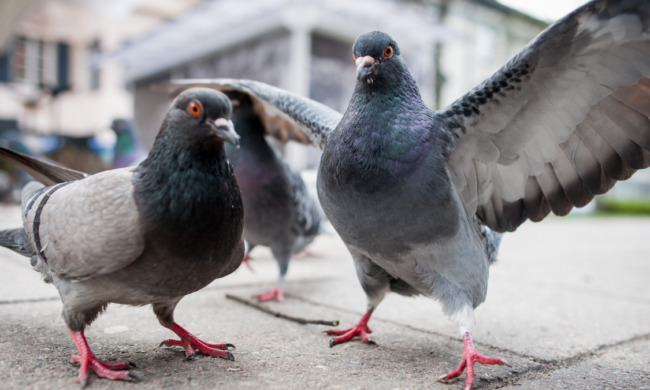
562	121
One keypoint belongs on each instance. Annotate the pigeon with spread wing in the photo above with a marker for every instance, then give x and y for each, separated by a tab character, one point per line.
420	197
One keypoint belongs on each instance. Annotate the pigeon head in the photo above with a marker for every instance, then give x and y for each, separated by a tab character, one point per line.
378	58
205	112
121	126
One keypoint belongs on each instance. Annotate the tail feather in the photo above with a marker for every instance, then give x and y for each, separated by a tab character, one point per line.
46	173
17	240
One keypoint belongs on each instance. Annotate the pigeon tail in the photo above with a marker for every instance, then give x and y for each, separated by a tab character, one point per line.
46	173
16	240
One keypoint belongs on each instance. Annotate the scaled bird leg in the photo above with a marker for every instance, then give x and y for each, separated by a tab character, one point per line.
274	293
470	356
247	262
359	329
192	343
88	361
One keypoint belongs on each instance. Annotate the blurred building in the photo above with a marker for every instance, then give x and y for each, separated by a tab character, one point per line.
305	47
71	66
52	79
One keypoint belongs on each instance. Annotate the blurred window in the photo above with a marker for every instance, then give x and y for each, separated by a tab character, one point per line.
4	67
95	51
486	44
37	64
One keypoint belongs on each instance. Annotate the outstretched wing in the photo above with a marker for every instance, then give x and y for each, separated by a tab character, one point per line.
563	120
286	116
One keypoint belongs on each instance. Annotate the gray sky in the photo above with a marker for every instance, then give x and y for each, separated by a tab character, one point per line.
548	10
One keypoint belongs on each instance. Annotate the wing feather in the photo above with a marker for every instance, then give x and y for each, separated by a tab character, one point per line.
565	119
286	116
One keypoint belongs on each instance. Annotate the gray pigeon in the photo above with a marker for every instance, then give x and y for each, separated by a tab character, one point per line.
149	234
279	212
418	195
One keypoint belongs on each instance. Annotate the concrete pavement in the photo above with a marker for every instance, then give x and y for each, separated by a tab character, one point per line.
568	306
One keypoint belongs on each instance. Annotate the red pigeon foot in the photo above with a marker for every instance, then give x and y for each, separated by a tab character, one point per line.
470	356
359	329
88	361
192	343
274	293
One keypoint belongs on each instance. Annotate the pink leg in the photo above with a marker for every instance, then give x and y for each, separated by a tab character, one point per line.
192	343
87	360
274	293
470	356
247	262
359	329
308	253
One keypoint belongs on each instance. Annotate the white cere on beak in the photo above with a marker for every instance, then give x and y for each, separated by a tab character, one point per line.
364	62
223	122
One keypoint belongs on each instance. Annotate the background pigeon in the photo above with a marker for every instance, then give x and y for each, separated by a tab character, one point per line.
128	149
417	195
174	224
279	212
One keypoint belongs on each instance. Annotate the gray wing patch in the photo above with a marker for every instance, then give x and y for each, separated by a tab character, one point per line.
86	228
286	116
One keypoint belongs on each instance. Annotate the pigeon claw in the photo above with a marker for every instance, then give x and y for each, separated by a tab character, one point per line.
274	293
87	361
247	262
470	356
192	344
102	369
360	329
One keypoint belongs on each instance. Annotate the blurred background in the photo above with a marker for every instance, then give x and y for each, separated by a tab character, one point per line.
77	77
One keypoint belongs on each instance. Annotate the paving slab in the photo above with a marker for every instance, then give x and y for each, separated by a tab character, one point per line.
568	306
619	367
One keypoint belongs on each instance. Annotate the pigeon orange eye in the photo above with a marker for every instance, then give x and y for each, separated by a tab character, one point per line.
194	108
388	51
354	57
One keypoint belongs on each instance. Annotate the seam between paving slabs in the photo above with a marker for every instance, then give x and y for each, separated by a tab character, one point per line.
557	364
31	300
497	382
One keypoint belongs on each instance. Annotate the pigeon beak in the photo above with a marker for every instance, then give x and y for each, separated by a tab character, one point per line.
364	66
225	129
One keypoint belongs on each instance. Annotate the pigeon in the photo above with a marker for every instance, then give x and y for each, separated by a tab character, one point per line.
279	212
149	234
128	150
422	197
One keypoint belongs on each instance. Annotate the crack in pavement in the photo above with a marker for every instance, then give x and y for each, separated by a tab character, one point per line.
500	381
557	364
